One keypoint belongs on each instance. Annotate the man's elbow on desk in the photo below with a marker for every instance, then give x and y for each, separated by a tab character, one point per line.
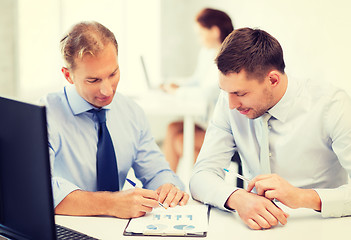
210	189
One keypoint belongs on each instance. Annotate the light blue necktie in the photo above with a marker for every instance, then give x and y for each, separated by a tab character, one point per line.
264	152
106	163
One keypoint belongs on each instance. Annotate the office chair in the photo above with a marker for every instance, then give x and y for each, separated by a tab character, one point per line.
237	160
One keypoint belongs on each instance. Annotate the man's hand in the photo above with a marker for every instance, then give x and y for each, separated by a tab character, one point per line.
256	211
170	195
272	186
133	203
122	204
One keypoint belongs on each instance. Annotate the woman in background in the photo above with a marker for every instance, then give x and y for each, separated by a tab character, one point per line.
213	27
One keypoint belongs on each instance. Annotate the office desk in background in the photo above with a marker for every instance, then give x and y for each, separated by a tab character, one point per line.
302	224
189	107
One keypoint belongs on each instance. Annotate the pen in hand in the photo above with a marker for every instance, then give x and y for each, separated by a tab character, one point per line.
134	185
238	176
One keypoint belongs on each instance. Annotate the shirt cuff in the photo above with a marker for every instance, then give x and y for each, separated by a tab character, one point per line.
333	202
223	196
215	193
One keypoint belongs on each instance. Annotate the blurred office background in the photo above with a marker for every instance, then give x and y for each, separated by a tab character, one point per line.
315	36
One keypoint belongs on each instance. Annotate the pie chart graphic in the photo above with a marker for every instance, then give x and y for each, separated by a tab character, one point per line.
156	227
184	227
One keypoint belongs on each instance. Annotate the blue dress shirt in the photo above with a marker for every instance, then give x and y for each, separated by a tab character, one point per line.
309	143
73	144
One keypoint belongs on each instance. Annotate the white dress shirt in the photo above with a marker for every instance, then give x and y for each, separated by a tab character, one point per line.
309	146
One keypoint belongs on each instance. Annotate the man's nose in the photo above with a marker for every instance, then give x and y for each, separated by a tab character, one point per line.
233	101
106	88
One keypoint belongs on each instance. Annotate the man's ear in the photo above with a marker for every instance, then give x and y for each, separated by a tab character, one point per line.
274	78
67	74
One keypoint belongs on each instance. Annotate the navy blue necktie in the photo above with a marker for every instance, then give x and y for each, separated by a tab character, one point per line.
106	163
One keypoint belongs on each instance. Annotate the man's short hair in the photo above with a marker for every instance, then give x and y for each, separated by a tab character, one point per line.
85	38
252	50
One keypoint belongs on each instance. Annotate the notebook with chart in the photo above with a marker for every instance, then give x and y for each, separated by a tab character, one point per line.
187	221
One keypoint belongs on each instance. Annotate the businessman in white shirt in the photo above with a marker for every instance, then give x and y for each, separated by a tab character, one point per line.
293	137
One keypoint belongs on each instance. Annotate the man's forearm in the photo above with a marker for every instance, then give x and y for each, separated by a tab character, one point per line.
83	203
309	198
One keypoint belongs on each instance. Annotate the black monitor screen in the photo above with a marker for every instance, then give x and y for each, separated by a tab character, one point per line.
26	204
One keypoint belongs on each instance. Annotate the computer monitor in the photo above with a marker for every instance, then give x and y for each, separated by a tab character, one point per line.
26	201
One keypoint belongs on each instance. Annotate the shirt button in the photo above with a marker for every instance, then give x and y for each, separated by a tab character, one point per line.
269	127
270	154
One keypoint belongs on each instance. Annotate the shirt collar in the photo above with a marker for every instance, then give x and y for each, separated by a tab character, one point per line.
281	110
78	104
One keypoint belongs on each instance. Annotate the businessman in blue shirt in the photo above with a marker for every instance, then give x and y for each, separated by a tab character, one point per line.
90	52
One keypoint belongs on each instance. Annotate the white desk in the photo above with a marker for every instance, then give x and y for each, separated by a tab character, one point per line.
158	103
302	224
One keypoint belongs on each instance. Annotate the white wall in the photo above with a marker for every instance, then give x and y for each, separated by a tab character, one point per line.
38	49
143	38
315	35
8	14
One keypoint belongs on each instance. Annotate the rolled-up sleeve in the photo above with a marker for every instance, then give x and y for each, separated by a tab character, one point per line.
60	186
